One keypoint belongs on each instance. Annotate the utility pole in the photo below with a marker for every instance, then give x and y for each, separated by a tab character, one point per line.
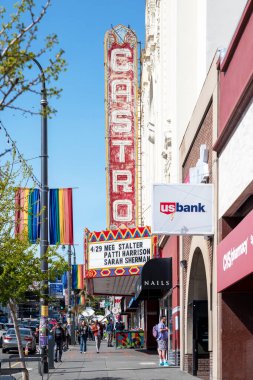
43	340
69	278
70	315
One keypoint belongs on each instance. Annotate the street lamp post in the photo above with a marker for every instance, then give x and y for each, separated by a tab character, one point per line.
43	340
71	316
69	278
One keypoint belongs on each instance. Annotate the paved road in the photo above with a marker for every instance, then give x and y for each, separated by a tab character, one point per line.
109	364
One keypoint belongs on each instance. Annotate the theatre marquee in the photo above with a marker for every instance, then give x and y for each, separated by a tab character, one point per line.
119	252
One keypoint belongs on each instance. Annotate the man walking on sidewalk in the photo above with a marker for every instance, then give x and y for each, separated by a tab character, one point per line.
109	330
162	341
59	337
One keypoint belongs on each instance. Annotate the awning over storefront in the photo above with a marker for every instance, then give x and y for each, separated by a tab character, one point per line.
235	255
117	286
155	279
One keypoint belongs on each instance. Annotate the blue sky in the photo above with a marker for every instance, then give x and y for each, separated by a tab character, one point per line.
76	135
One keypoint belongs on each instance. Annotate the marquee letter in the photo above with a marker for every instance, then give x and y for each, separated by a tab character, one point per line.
122	182
119	61
123	124
122	218
121	144
121	87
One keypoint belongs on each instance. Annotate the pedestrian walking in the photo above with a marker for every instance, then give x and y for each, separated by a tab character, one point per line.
90	333
67	331
83	332
97	330
119	326
59	337
110	330
162	342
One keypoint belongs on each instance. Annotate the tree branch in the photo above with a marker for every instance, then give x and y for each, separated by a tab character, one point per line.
24	31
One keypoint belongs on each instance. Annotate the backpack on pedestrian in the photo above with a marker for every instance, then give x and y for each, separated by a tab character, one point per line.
155	331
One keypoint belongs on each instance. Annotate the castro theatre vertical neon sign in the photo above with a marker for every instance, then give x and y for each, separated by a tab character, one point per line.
121	126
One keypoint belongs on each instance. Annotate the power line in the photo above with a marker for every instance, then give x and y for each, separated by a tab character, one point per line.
20	156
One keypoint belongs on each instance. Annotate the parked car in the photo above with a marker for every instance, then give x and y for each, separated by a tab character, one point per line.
10	340
2	331
34	323
8	326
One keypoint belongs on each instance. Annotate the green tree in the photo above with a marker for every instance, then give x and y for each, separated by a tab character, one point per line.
19	45
20	265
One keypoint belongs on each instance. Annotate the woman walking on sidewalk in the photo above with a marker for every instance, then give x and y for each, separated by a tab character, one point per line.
97	330
83	335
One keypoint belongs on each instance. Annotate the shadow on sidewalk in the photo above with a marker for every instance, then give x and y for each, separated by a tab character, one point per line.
147	352
68	370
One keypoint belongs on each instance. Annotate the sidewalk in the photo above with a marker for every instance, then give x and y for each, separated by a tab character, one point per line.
109	364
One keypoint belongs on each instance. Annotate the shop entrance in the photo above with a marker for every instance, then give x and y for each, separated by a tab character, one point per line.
197	318
200	333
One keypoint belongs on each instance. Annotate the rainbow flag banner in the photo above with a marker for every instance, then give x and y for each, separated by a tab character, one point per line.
77	276
27	213
80	300
61	216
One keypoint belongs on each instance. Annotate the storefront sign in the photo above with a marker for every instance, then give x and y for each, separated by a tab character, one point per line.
155	279
121	126
56	290
235	254
182	209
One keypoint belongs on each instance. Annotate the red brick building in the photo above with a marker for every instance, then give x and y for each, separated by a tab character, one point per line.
234	147
197	253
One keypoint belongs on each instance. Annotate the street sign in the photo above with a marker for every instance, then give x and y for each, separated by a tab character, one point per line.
115	310
56	290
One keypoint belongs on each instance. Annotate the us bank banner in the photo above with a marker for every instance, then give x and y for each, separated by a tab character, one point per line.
182	209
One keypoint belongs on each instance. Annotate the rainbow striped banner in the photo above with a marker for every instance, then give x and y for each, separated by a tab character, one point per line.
61	216
80	300
27	213
77	276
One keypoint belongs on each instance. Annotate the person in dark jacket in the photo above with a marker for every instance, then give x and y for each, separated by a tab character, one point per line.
110	330
83	332
59	337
